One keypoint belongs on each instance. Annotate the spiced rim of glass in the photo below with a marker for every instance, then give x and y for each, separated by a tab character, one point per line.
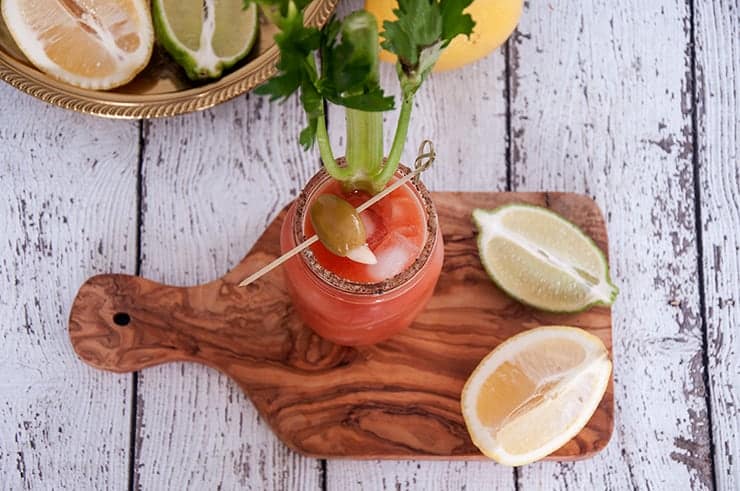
388	285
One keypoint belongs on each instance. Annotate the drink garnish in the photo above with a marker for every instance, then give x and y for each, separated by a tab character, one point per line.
340	228
347	74
494	23
424	160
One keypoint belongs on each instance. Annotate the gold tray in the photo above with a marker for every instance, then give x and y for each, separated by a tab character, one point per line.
162	88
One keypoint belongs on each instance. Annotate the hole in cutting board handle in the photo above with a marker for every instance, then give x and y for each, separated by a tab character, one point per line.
121	318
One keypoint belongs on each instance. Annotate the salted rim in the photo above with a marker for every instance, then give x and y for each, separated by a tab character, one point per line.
355	287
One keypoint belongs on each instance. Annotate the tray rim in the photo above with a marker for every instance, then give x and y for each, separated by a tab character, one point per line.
32	81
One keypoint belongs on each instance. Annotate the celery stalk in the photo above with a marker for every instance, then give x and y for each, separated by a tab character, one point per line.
364	147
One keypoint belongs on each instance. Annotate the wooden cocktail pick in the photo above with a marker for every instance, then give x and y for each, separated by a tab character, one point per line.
424	159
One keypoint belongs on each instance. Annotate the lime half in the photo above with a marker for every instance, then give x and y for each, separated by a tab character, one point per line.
542	259
205	36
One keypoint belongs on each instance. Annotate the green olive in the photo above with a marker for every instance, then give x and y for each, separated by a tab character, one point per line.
337	224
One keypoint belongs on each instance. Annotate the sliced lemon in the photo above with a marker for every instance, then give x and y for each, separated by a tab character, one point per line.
542	259
535	392
93	45
205	37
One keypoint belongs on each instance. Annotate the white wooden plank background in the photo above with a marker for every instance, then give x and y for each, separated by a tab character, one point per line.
67	211
602	101
717	30
608	113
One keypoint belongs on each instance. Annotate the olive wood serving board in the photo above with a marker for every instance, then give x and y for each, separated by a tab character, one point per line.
399	399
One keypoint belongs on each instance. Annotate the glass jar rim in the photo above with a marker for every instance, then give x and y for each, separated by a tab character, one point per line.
354	287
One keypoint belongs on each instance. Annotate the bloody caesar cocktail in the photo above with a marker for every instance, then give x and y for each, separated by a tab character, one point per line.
371	274
352	303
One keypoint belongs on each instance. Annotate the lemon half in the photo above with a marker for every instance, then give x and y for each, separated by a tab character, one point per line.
93	47
535	392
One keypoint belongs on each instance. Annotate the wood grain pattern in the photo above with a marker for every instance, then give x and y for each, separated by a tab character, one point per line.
601	104
397	399
67	211
212	183
717	33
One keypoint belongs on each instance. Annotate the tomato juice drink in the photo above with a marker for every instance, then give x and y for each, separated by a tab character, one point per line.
357	304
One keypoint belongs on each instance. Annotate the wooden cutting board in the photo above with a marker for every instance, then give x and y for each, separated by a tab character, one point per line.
395	400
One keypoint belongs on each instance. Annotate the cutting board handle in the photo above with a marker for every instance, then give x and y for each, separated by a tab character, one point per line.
112	326
124	323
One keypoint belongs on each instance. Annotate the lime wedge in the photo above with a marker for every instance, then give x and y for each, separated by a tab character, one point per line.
541	259
205	36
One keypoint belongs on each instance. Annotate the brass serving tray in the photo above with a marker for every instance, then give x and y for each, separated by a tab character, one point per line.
162	88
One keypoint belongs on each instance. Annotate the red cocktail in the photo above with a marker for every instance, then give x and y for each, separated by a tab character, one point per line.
352	303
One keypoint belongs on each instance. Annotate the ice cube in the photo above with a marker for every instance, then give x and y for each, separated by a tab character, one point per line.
375	229
410	231
394	255
403	208
369	222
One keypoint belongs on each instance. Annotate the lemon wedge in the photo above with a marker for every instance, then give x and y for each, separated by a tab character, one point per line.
97	45
535	392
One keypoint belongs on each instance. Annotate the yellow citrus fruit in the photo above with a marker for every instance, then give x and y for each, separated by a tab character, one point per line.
93	45
535	392
495	20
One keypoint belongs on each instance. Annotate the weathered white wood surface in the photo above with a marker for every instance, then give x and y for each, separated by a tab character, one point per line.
212	182
717	27
601	104
67	211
